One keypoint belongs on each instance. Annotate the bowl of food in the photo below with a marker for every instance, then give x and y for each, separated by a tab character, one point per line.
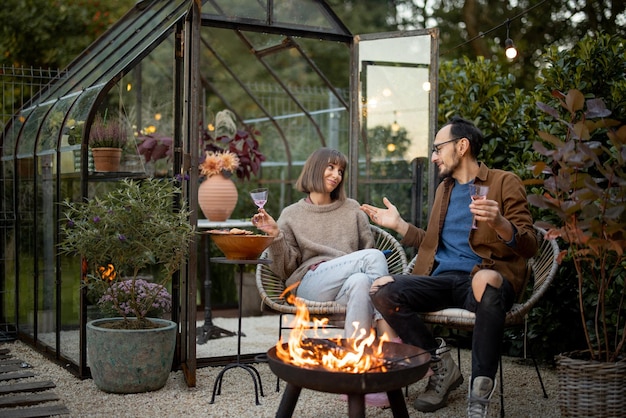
240	244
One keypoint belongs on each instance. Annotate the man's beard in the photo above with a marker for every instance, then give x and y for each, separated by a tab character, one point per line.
448	171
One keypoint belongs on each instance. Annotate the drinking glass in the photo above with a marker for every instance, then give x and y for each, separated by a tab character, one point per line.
259	197
477	192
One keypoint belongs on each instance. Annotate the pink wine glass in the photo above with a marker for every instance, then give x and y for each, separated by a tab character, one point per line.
259	197
477	192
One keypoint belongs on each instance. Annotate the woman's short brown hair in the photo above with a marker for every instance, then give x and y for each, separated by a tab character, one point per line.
312	176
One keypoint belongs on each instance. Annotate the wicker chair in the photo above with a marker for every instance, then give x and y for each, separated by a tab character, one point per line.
271	286
542	270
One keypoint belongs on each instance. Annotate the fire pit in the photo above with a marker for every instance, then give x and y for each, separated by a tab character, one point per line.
404	364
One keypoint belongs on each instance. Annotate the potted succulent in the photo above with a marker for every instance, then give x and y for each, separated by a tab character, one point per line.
131	231
584	186
107	138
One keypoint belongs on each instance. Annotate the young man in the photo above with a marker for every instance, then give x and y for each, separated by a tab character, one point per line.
481	270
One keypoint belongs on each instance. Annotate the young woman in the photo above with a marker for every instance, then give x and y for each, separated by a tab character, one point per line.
325	244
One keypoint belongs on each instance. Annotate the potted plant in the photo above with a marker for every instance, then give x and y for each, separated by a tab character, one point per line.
131	231
242	143
585	188
155	146
107	138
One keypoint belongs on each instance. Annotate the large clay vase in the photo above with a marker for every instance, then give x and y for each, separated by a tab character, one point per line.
107	159
217	196
130	360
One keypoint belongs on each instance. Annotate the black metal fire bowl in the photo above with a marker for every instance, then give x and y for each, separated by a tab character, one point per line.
408	364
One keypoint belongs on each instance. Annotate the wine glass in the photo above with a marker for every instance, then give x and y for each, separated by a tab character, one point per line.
259	197
477	192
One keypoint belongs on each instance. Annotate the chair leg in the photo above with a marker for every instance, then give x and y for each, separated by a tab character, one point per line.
501	389
528	350
543	388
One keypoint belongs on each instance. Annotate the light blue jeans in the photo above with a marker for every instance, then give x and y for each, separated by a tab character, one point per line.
347	280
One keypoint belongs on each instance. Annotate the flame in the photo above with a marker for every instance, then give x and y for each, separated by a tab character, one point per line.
357	354
108	272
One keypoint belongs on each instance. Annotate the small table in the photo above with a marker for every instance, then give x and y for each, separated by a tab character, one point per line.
256	377
209	331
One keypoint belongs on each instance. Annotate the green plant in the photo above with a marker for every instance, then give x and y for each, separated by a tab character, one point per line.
121	234
242	143
111	133
585	187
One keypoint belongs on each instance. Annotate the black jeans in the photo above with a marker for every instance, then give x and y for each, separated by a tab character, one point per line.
401	301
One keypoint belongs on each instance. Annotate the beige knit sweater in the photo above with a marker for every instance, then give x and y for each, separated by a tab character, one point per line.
310	234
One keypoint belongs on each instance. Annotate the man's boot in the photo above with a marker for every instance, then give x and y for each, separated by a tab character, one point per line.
479	397
446	377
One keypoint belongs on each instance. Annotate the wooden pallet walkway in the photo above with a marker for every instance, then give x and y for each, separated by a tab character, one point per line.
21	395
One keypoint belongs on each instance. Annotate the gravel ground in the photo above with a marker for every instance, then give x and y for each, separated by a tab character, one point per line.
523	397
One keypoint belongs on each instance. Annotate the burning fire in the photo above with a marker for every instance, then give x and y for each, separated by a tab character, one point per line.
358	354
108	272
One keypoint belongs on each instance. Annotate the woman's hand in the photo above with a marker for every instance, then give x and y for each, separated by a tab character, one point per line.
263	221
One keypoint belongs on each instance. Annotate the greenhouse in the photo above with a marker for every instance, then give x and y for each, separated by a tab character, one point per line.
294	79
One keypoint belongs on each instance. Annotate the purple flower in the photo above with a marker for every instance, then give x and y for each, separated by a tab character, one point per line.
70	223
121	237
96	219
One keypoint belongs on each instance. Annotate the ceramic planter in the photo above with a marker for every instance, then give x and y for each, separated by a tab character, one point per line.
217	197
130	360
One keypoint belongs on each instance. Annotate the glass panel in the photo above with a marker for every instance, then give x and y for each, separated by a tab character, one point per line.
10	136
8	319
307	15
291	107
27	140
395	118
247	9
45	244
25	249
51	127
144	99
302	12
70	283
70	146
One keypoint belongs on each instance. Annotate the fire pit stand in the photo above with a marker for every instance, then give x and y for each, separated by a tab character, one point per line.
412	363
256	377
356	403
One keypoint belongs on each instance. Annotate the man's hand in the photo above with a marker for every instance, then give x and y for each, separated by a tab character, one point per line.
389	218
488	211
380	282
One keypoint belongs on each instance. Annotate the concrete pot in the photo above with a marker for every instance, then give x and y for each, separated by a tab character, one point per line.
130	360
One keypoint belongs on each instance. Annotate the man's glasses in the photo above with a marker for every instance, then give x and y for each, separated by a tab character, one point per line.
437	147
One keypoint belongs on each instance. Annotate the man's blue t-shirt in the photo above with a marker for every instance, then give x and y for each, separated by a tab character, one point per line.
454	252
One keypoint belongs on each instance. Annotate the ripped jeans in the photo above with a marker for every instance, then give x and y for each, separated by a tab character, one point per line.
401	301
347	281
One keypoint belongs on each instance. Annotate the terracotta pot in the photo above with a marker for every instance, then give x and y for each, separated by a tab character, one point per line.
107	159
130	360
217	196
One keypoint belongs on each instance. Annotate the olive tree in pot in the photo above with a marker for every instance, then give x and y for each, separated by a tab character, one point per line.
585	186
132	229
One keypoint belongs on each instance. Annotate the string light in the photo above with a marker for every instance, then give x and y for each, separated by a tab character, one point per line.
509	48
482	34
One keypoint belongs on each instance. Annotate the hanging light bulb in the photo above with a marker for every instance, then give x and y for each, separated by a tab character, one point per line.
509	47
